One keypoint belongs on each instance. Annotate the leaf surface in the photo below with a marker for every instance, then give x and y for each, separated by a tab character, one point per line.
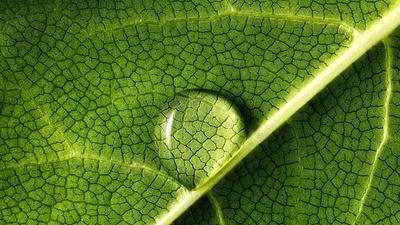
83	83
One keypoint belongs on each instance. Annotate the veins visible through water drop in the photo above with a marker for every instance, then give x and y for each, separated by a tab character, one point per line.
196	133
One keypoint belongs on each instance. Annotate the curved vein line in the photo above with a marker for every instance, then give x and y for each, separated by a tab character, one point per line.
136	165
77	155
140	165
359	47
284	17
217	207
47	117
385	133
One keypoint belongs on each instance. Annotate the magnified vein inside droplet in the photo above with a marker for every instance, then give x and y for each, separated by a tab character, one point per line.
196	133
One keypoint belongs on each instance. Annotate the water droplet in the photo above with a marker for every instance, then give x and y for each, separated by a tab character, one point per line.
196	133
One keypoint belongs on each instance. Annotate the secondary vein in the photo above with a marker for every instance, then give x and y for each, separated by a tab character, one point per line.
385	133
231	12
217	207
136	165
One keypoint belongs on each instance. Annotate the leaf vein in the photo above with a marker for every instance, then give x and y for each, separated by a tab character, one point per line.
385	133
217	207
139	165
285	17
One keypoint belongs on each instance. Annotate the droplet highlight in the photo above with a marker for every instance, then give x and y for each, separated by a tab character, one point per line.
196	134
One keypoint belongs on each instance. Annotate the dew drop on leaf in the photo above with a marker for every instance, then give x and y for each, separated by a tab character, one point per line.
196	133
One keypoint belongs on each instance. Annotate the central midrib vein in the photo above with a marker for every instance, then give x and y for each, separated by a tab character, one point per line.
359	46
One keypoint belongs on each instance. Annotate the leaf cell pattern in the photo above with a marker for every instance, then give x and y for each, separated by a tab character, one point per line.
82	83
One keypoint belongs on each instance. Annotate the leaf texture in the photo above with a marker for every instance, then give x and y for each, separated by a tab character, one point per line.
83	83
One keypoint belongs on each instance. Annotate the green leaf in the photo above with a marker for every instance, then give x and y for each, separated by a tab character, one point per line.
87	89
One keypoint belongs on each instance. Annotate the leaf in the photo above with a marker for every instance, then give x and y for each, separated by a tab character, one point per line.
83	83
